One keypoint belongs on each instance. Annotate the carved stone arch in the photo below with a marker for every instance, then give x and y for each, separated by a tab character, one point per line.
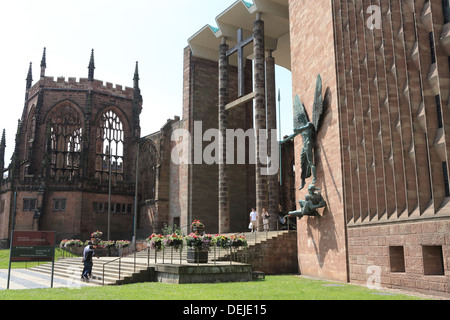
32	111
118	111
65	129
111	136
149	162
65	102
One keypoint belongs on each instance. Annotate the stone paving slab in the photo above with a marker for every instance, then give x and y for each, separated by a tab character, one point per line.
26	279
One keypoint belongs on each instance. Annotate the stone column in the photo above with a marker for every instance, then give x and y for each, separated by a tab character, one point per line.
273	184
224	199
260	114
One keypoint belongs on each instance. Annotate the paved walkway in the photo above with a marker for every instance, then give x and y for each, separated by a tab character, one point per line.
27	279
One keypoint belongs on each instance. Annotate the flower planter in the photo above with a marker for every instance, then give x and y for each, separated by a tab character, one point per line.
100	252
78	251
195	256
199	230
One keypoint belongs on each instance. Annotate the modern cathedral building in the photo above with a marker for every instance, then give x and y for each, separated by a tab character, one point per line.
382	155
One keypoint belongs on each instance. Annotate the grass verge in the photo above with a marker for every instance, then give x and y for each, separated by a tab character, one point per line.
273	288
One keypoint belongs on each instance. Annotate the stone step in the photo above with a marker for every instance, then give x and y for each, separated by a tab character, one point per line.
98	269
135	267
110	262
109	278
252	239
72	268
97	276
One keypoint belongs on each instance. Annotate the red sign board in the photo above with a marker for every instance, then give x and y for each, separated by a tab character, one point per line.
33	238
33	246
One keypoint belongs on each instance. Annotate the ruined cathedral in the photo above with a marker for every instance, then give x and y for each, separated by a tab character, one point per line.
74	140
382	156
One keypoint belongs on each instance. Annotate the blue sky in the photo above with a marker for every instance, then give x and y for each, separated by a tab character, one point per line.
151	32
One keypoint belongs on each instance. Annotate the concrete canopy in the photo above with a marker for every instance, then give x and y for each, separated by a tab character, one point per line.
241	15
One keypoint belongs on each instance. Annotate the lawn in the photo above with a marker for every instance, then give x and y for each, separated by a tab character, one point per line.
4	260
289	287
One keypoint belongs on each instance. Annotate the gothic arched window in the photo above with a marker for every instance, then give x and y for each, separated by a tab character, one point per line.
65	141
109	147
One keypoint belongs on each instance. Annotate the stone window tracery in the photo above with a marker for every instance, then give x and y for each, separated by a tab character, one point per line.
65	142
109	148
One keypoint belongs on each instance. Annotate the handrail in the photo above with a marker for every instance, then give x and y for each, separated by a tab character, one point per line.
103	276
120	261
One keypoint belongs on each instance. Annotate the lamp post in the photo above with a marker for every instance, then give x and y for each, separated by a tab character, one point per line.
136	197
279	129
109	194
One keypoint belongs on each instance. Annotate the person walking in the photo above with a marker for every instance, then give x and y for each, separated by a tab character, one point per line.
254	219
88	263
86	249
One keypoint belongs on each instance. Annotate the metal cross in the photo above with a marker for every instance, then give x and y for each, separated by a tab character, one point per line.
239	48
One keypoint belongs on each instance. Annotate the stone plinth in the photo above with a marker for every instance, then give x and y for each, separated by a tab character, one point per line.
184	274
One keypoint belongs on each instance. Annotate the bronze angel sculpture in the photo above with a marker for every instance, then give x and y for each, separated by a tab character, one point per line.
308	130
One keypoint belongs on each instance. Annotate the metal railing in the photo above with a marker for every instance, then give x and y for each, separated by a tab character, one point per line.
103	275
235	254
238	255
119	259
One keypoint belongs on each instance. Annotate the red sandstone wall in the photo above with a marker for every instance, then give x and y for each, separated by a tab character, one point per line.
24	219
369	246
393	149
321	241
66	223
80	219
274	256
